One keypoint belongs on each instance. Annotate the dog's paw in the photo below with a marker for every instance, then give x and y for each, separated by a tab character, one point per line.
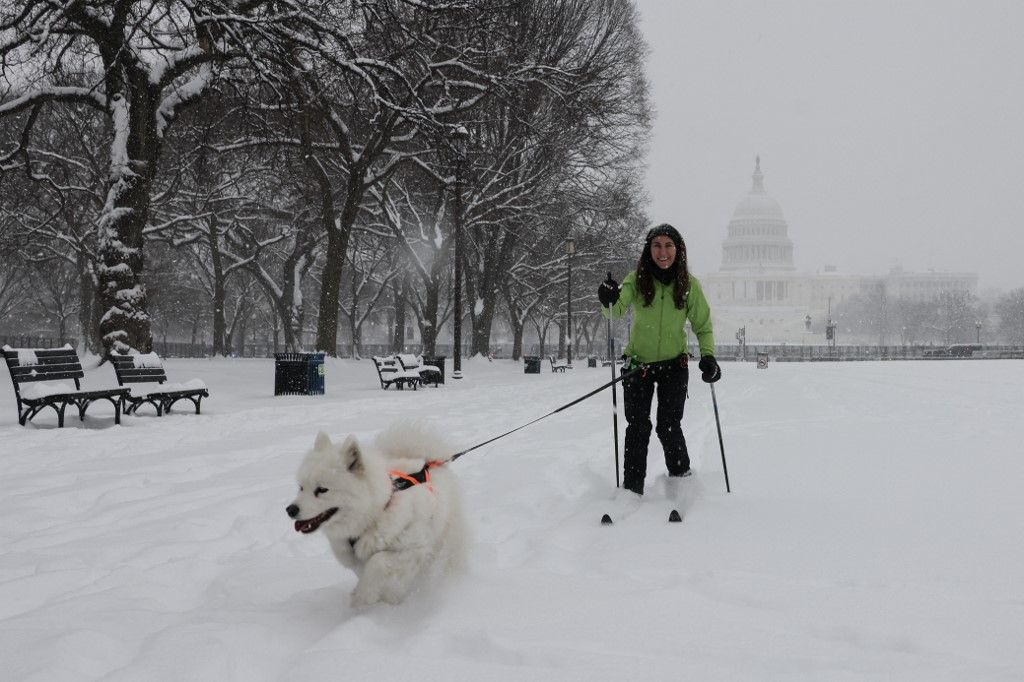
368	545
364	596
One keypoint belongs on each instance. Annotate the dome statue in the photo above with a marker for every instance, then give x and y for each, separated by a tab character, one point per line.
757	237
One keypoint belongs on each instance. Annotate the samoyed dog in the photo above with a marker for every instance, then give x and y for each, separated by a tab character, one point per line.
391	509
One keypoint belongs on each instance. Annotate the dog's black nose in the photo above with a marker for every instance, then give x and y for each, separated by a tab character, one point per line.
293	510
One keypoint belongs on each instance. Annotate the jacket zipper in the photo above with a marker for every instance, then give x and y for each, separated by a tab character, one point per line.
661	318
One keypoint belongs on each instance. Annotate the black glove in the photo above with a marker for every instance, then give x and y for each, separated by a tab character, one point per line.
608	292
710	372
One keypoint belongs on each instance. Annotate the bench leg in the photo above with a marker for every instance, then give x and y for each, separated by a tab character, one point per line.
60	414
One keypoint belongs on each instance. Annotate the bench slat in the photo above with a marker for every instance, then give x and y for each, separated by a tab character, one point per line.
25	374
53	364
43	352
128	373
142	374
77	395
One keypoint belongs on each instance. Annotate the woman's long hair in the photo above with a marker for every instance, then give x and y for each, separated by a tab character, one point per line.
646	266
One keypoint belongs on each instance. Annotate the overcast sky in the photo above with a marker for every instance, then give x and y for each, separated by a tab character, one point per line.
890	131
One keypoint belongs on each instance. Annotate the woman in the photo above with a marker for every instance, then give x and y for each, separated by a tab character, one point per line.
664	296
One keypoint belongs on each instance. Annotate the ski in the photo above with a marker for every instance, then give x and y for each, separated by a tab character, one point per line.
673	517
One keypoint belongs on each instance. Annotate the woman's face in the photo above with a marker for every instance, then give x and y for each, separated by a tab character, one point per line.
663	252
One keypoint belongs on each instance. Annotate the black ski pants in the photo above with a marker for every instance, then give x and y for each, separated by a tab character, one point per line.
638	387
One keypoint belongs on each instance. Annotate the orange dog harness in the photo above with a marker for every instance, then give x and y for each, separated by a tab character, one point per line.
403	481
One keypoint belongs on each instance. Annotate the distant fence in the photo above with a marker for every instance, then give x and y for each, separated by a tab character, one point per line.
796	353
178	349
733	352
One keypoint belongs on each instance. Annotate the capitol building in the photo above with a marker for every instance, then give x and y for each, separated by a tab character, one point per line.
758	287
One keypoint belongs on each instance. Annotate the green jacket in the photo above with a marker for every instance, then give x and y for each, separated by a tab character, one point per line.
659	331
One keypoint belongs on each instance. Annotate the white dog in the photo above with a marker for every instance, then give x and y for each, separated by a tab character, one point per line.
391	511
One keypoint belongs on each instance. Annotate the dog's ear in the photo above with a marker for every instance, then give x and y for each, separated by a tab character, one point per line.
322	442
352	454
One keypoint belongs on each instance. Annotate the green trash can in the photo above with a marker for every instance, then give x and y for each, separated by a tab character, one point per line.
316	374
299	373
435	361
531	364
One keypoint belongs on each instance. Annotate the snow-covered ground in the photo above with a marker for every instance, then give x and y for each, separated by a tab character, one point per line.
875	531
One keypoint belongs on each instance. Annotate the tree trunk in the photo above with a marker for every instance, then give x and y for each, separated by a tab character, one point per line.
515	322
125	323
398	337
356	328
542	333
495	268
88	318
220	343
337	246
428	323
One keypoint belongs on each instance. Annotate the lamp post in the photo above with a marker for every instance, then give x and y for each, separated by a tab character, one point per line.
459	136
977	327
570	249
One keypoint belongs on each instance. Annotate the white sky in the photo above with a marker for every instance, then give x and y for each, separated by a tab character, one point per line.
890	132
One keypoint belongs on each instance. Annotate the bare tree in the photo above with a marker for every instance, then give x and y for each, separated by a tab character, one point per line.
140	64
372	269
576	116
14	288
416	221
1010	311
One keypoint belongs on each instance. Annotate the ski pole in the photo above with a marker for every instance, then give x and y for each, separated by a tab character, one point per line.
615	402
718	423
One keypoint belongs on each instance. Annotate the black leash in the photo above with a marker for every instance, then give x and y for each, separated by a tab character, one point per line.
555	411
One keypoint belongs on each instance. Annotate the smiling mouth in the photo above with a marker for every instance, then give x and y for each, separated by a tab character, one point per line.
310	525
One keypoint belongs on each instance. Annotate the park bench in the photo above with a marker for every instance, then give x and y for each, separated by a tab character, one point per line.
149	368
428	373
390	371
46	369
558	365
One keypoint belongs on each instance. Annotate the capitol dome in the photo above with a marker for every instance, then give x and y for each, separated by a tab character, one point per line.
758	234
757	207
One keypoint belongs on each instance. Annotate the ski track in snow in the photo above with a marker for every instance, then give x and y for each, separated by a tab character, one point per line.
873	532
